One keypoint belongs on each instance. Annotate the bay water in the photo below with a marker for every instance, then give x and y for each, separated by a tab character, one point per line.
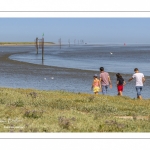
114	58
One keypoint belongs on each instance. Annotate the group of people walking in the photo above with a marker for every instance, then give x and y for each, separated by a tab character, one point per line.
102	83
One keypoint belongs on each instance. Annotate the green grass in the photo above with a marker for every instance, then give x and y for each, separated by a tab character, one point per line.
29	110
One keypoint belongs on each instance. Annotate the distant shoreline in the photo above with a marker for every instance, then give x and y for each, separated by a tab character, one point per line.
23	43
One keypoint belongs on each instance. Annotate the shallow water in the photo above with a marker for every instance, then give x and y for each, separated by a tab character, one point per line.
88	58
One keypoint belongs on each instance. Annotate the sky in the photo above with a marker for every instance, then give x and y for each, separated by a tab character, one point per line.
90	30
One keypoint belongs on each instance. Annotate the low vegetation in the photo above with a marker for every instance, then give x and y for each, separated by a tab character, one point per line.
30	110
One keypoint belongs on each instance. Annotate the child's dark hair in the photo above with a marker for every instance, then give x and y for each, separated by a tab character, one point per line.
118	75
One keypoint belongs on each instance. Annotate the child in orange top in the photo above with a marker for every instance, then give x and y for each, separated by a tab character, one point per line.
96	86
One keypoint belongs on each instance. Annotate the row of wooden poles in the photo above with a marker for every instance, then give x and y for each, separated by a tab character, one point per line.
39	44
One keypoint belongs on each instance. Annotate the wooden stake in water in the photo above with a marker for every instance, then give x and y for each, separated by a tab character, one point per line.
74	41
60	42
42	48
36	44
69	42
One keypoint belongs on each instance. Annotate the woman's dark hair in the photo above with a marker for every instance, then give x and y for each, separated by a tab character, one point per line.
118	75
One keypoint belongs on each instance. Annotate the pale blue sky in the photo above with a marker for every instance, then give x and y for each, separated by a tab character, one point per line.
91	30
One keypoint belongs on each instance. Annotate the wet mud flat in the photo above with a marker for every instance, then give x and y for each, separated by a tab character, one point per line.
17	74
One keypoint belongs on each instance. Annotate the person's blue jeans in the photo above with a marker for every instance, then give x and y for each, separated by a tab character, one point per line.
104	89
138	90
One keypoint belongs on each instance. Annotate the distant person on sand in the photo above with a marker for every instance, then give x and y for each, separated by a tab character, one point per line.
96	85
139	82
105	80
120	83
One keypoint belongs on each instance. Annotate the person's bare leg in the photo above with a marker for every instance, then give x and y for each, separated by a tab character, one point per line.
140	97
120	93
96	93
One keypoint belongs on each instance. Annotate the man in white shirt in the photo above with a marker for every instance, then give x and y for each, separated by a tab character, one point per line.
139	82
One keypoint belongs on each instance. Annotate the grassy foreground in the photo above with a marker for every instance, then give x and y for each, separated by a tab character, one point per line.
29	110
